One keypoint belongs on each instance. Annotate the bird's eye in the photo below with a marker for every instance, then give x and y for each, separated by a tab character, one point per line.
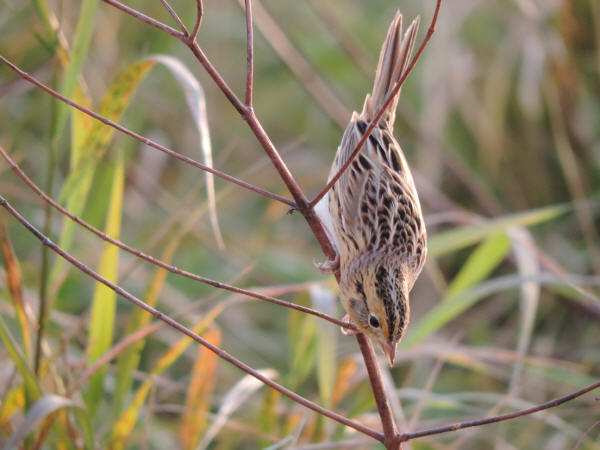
373	321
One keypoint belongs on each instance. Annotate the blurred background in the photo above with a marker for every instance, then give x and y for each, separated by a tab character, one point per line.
500	121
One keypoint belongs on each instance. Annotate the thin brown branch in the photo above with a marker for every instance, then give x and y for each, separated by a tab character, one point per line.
145	140
256	127
184	330
199	14
307	210
475	423
249	54
383	108
248	115
144	18
383	406
158	262
142	333
311	218
175	17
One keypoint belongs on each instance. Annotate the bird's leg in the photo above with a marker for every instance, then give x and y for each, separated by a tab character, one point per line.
331	265
348	331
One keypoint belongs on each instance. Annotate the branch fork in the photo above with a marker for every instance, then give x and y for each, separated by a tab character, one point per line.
390	436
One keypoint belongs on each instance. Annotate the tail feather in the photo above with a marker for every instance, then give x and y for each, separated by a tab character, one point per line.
393	62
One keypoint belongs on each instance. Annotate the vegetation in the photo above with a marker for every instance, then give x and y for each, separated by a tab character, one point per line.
500	120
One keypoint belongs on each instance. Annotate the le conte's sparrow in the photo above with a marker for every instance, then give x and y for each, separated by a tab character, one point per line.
374	210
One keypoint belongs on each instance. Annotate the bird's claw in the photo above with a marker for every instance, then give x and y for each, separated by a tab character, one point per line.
348	331
330	266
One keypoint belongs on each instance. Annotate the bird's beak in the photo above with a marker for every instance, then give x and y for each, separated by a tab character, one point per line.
389	348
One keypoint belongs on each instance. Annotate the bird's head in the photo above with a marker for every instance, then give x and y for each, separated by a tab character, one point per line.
375	296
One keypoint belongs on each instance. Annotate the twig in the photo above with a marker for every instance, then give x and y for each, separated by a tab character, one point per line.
585	434
301	204
474	423
383	406
306	209
145	140
383	108
249	54
175	17
184	330
199	14
144	18
161	264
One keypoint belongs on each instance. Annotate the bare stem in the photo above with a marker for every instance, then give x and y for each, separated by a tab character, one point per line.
383	108
500	418
184	330
144	18
158	262
249	54
302	204
199	14
145	140
383	406
175	17
307	210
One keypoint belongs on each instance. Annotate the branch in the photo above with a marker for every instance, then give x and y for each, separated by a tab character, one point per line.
383	108
144	18
501	418
383	406
161	264
199	14
249	54
301	202
145	140
184	330
175	17
306	209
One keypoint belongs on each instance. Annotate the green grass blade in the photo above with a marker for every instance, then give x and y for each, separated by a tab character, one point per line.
89	149
448	310
83	37
484	259
126	421
32	387
128	361
104	303
323	300
449	241
302	343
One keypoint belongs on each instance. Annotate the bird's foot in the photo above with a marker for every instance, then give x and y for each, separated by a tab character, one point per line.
348	331
330	266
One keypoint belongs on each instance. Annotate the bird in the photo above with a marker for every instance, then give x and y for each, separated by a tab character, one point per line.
374	212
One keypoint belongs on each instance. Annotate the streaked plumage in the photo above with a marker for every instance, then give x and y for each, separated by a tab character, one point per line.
374	209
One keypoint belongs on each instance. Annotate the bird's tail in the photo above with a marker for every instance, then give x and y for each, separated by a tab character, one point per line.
393	61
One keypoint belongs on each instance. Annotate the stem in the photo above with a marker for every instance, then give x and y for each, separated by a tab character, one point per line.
383	108
144	18
249	54
500	418
175	17
145	140
44	267
184	330
199	14
383	406
157	262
